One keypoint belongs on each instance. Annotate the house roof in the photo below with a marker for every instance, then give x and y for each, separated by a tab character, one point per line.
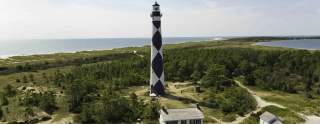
181	114
277	122
268	117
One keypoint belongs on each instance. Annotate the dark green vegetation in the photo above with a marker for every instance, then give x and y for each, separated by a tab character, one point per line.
224	94
290	71
94	86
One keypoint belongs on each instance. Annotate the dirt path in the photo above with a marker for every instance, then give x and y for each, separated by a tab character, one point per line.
260	102
310	119
67	120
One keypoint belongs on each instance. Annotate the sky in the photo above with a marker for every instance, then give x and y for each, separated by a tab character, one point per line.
46	19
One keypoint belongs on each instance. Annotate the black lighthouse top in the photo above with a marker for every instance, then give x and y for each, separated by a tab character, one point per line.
156	10
156	4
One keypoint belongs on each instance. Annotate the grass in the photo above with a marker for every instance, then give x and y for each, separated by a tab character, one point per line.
229	117
286	116
297	102
251	120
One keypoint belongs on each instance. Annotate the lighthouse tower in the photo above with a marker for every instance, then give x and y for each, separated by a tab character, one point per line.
157	84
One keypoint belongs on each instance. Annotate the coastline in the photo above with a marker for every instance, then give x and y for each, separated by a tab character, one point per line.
4	57
298	44
92	45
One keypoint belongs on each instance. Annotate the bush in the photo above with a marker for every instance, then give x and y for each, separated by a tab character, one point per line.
3	99
45	101
9	90
238	100
229	117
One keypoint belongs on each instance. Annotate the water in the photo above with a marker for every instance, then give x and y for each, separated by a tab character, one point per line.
31	47
307	44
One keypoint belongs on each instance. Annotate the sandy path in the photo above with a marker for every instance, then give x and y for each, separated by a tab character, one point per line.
310	119
260	102
67	120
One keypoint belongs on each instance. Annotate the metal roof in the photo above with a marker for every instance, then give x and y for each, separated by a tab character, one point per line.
181	114
277	122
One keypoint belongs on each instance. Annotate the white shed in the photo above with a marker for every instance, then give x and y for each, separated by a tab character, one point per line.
181	116
268	118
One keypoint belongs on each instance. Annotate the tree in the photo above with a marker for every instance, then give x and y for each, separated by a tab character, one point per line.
150	112
9	90
214	75
318	89
1	113
47	102
308	85
87	114
196	76
112	108
25	79
250	79
245	67
18	80
184	71
76	93
31	77
28	112
238	100
3	99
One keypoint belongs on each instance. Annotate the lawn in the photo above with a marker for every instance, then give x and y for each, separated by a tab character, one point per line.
286	116
297	102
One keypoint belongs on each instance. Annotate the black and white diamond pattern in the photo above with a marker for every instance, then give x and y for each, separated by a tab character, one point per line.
157	73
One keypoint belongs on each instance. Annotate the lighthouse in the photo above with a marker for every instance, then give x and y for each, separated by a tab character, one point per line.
157	84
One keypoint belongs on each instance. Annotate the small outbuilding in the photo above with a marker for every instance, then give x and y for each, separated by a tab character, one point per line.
268	118
181	116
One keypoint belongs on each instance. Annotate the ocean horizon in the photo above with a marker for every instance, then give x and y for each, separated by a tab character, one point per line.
9	48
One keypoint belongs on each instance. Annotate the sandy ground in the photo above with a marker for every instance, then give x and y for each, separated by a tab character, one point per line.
260	102
312	119
66	120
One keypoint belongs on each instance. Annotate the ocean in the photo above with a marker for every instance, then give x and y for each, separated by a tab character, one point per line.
306	44
31	47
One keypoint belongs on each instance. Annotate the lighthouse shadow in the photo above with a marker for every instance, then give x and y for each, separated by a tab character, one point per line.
179	98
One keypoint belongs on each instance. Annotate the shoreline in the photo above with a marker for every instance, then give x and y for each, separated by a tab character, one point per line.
4	57
294	44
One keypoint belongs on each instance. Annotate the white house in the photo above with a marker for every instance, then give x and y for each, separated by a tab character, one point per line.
268	118
181	116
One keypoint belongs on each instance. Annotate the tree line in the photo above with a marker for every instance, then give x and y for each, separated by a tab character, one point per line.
290	71
93	90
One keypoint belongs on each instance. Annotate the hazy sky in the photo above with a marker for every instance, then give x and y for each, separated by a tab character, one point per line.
20	19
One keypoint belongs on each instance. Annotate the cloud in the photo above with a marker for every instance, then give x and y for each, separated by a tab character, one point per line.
127	18
48	19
